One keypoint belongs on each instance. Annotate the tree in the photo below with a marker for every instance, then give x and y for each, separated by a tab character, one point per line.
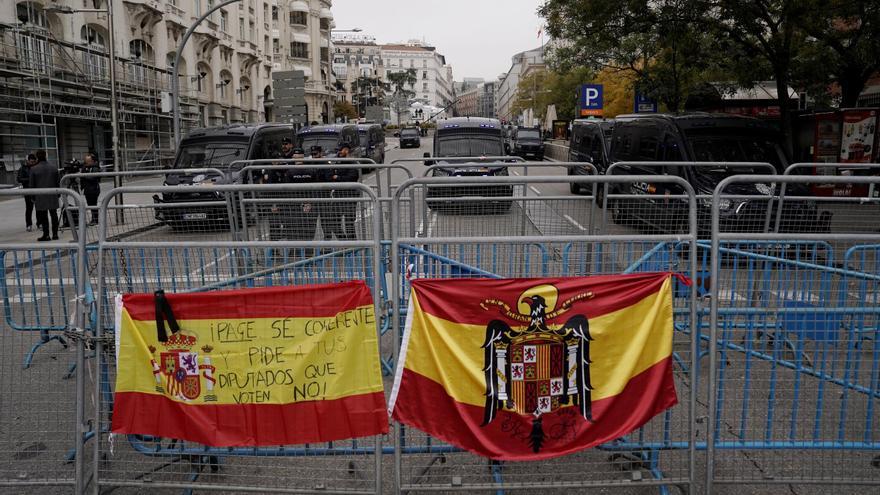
345	109
844	36
656	41
367	91
400	80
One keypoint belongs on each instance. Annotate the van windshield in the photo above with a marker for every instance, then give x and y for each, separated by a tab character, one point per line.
365	139
327	142
528	134
469	145
409	132
210	154
733	148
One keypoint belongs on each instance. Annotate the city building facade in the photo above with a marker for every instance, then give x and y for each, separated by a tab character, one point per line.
434	84
505	93
359	71
55	61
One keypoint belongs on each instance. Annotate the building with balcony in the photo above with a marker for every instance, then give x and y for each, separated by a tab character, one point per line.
54	60
433	84
359	71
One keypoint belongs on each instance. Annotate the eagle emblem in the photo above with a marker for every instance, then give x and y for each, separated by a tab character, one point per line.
537	366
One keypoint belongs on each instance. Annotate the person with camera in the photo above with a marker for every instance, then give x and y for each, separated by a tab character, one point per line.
91	186
43	175
24	180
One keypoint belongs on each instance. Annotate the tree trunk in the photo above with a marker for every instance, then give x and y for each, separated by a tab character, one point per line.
785	125
852	82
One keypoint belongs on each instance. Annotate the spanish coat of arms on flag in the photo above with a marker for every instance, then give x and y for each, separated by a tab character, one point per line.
527	369
250	367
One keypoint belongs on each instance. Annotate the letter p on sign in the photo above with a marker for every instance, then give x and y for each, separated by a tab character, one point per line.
591	100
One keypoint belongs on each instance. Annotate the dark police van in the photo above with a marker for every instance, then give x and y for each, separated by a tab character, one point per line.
527	143
468	137
703	137
372	141
215	147
590	143
410	137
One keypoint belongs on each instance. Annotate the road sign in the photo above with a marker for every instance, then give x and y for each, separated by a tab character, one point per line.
289	91
644	104
590	101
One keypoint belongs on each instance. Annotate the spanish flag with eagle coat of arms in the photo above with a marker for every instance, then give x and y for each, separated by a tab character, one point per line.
529	369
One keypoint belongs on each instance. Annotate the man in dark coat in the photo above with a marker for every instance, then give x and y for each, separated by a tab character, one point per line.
24	178
45	176
91	186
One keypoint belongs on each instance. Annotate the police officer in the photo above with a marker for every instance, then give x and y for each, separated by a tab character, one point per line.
337	218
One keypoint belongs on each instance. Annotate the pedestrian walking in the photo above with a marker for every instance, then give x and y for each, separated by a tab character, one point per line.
24	180
43	176
337	218
91	186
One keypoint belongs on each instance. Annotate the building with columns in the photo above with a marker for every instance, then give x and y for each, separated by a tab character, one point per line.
358	57
55	63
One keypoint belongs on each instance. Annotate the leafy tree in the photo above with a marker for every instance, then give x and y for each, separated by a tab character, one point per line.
538	90
400	80
656	41
367	91
844	37
345	109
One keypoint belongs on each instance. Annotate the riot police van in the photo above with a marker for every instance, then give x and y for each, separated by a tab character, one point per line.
468	137
704	137
215	147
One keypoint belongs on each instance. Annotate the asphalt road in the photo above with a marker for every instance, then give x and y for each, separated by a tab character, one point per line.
37	404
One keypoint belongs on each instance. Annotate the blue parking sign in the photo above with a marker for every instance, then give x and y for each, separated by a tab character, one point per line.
590	101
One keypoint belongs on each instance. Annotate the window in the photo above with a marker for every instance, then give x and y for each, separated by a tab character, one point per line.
276	47
299	50
274	12
251	31
424	86
425	64
424	74
648	148
240	28
224	20
325	24
93	59
298	18
198	5
412	63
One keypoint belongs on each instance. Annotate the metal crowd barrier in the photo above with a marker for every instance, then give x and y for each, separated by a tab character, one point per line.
775	343
793	352
175	261
41	409
465	244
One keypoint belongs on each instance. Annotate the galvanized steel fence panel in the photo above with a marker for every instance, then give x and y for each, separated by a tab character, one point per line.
169	258
541	235
793	350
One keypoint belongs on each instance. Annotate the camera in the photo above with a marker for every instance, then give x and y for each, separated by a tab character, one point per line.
72	166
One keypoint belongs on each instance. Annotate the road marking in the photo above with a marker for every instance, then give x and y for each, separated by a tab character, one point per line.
573	222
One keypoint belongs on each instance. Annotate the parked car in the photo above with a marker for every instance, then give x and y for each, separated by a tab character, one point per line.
216	147
702	137
410	138
372	138
527	143
590	142
468	137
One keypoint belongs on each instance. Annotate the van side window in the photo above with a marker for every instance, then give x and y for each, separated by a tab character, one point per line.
648	149
671	149
584	146
268	145
596	150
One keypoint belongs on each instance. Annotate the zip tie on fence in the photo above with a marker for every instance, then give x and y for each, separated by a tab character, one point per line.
111	439
409	271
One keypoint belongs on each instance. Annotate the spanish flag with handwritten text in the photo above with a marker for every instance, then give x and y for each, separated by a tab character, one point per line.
250	367
528	369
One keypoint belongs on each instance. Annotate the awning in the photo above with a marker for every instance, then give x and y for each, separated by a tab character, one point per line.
325	14
301	38
307	71
299	6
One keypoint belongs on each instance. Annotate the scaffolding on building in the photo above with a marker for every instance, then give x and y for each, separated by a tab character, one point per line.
55	95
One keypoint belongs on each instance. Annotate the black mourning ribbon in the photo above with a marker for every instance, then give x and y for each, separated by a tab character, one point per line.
163	311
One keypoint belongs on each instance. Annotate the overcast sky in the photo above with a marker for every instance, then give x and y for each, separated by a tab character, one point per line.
478	37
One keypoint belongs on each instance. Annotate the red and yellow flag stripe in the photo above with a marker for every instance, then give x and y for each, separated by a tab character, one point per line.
630	322
252	367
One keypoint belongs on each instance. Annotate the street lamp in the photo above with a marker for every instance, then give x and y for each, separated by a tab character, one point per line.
114	109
